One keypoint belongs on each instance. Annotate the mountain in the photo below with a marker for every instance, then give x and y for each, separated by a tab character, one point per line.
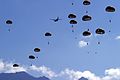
82	78
20	76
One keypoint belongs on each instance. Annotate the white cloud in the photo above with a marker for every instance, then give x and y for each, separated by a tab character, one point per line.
44	70
8	68
118	37
75	75
110	74
83	43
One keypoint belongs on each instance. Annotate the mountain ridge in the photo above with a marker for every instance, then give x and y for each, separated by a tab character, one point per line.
83	78
20	76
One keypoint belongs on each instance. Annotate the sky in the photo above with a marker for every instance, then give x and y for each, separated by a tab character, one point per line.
67	50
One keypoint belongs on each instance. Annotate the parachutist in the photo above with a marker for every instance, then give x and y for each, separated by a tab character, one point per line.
98	42
48	34
72	30
9	30
72	26
86	12
36	57
110	21
87	43
9	22
48	43
72	3
95	52
75	37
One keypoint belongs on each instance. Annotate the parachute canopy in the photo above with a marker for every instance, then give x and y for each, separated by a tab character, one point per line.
86	2
48	34
71	16
86	18
100	31
37	50
15	65
110	9
31	57
86	33
9	22
73	22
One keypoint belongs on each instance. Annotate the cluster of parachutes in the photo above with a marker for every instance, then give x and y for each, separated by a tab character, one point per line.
72	21
36	50
87	18
72	17
31	56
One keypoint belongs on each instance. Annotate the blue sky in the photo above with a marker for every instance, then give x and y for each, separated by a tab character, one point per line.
31	19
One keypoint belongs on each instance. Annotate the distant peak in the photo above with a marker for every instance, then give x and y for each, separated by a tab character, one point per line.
83	78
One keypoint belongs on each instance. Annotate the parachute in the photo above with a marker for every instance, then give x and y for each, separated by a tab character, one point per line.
71	16
100	31
37	50
31	57
86	33
15	65
73	22
86	2
9	22
48	34
110	9
86	18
